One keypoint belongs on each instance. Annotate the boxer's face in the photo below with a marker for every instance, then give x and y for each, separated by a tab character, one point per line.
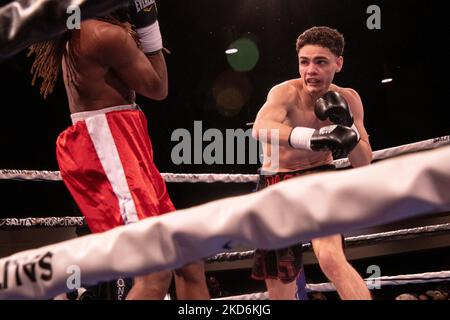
317	66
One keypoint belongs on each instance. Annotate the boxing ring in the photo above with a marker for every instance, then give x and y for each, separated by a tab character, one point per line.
405	181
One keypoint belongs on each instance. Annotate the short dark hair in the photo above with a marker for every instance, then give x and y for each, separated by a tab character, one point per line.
324	37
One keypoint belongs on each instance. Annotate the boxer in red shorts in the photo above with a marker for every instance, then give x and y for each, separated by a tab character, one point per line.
106	157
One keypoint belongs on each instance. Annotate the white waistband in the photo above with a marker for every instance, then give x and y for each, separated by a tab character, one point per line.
80	116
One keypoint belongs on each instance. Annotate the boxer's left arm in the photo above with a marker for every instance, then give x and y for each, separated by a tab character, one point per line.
362	153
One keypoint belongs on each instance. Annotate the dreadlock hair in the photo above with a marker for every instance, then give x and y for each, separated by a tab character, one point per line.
47	61
49	54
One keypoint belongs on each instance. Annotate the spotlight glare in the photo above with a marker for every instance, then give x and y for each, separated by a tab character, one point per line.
231	51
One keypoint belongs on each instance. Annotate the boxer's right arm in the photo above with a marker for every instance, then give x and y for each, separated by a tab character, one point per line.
274	112
339	140
147	75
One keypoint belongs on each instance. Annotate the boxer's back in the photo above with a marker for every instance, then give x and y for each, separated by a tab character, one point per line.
90	82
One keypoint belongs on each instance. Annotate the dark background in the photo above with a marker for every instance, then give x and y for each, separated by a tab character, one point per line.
411	47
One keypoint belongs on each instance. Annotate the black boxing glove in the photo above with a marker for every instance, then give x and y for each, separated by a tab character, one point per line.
334	107
144	16
340	140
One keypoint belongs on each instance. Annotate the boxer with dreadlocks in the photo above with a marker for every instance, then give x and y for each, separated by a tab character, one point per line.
106	157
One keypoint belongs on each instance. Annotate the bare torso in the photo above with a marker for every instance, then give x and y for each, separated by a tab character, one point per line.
299	115
90	85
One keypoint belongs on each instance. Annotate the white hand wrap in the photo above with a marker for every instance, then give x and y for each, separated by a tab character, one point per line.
150	37
300	138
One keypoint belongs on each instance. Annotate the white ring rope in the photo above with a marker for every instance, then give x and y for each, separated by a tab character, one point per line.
371	239
29	175
401	150
307	207
441	276
402	234
34	175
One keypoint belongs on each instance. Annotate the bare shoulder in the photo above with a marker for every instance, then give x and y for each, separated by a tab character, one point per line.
353	99
286	92
104	38
348	93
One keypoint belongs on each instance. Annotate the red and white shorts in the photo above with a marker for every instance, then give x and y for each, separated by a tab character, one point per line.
106	162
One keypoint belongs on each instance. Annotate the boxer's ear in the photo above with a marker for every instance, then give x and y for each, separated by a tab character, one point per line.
339	63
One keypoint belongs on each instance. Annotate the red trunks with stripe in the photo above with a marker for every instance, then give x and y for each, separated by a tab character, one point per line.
106	162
